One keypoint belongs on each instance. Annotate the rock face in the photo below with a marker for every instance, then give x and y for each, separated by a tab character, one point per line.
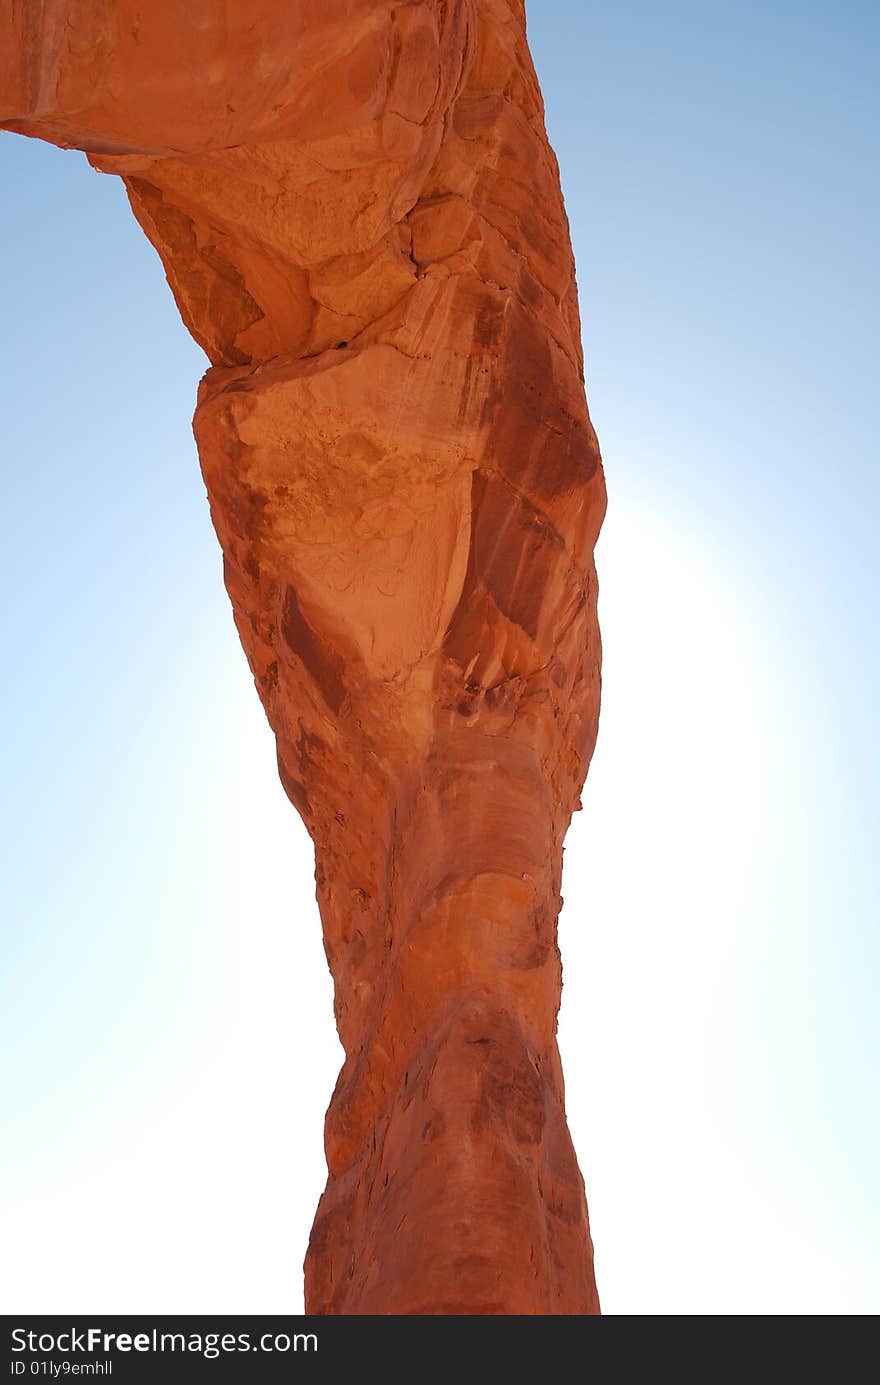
360	219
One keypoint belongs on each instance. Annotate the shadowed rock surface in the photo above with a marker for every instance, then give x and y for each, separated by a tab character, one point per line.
361	222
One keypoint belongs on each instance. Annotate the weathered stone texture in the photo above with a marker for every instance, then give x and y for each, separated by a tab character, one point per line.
360	219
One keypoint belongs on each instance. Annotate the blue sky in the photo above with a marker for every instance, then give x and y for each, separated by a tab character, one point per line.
166	1005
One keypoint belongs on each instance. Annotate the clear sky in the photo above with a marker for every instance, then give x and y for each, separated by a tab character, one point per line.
166	1016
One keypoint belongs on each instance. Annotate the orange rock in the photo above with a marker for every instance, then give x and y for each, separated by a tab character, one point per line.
361	222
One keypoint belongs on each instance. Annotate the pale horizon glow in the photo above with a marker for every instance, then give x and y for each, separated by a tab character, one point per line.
167	1011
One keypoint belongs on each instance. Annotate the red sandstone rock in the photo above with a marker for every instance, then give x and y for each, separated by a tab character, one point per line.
361	222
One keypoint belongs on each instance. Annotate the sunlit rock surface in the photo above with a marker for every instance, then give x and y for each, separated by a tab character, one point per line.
360	219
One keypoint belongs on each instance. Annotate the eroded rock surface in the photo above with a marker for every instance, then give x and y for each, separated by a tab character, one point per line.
360	219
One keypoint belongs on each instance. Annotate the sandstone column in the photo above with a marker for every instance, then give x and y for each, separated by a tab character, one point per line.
360	219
